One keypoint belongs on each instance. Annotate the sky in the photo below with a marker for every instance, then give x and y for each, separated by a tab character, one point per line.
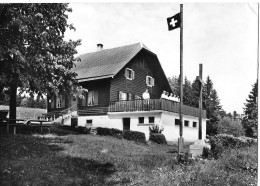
221	36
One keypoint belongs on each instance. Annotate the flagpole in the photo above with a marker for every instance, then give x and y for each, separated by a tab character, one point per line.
181	140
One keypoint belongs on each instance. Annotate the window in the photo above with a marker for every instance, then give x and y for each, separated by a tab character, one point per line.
149	81
186	123
92	98
177	122
151	119
129	74
194	124
122	96
89	121
130	97
141	119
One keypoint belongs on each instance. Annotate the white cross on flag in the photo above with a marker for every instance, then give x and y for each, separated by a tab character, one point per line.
174	21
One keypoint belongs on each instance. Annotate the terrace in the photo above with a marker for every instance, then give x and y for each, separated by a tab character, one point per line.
151	105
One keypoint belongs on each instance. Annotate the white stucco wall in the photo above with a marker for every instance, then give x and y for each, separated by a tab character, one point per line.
116	119
171	131
97	121
162	118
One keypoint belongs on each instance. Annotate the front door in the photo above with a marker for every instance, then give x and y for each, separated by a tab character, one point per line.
126	123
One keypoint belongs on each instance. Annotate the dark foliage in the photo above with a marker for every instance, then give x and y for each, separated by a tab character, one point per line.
250	119
103	131
33	53
155	129
134	136
221	142
230	126
109	132
157	138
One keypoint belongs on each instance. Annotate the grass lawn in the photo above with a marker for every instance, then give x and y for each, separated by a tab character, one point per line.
101	160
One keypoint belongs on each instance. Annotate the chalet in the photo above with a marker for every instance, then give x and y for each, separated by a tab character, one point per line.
116	80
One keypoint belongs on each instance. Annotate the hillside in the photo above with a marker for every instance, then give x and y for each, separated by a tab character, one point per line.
101	160
23	112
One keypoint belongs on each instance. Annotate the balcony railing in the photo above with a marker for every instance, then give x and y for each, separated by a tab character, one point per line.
153	104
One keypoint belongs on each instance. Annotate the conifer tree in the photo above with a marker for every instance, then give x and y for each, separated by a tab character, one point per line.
250	119
187	93
212	106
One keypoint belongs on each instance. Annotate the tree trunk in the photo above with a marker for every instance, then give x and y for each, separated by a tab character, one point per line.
12	103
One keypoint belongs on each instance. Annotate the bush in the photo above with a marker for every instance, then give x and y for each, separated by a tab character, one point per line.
228	126
82	130
104	131
134	136
206	153
109	132
116	133
155	129
221	142
157	138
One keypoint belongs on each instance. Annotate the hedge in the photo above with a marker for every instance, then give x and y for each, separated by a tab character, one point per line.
134	136
104	131
157	138
109	132
221	142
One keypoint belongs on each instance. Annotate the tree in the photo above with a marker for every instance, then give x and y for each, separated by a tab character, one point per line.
212	105
175	85
227	125
188	94
235	115
250	119
33	53
210	100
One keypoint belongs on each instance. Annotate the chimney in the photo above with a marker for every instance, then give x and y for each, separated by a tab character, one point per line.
99	47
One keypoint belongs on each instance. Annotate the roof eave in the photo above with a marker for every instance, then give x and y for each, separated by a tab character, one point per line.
95	78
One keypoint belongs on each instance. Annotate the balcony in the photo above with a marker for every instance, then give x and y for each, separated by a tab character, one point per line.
153	104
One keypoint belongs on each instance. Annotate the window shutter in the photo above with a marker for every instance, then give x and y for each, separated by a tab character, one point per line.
133	74
119	95
95	97
152	81
126	73
147	80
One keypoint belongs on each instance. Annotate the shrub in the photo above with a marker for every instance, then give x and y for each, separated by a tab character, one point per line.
228	126
116	133
157	138
221	142
206	153
155	129
134	136
109	132
104	131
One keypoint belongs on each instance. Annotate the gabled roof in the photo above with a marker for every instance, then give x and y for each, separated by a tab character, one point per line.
105	63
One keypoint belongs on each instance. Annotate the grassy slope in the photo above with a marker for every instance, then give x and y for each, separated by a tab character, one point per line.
23	112
97	160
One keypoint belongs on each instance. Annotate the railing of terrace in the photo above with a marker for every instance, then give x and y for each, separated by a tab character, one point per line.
153	104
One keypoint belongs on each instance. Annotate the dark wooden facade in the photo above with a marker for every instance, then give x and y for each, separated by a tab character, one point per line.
143	64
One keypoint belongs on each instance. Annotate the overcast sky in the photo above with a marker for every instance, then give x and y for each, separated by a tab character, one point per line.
223	37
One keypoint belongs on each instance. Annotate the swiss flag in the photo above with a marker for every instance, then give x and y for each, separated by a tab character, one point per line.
174	21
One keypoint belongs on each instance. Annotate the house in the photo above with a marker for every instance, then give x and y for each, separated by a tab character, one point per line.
116	80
